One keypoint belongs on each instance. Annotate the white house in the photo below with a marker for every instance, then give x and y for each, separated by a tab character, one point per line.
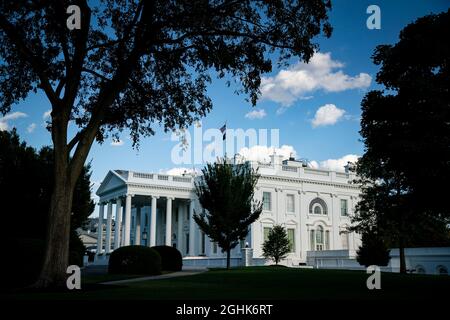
155	209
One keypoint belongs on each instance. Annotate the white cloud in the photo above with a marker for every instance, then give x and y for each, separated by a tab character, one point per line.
46	114
256	114
321	73
334	164
180	171
31	127
263	153
117	143
10	116
327	115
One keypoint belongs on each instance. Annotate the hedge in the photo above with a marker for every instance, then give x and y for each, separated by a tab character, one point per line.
135	260
171	258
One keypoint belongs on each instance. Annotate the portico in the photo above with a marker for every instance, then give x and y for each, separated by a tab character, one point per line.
148	209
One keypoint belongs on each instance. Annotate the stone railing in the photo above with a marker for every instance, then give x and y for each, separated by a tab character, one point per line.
141	175
289	168
181	179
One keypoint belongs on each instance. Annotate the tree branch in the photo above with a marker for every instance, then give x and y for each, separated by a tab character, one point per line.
96	74
75	140
36	63
74	75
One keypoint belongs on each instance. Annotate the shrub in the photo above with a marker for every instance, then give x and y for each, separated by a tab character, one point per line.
76	249
135	260
373	250
25	260
170	257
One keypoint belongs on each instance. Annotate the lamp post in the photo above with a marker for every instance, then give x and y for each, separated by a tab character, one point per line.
144	236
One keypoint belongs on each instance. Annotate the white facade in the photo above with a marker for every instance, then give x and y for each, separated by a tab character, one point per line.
313	205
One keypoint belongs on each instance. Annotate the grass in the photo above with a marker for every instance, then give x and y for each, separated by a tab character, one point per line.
260	283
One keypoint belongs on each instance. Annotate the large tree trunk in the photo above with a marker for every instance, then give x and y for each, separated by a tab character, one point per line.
53	272
401	249
228	258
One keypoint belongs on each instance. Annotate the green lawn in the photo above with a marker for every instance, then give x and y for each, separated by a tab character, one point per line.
262	283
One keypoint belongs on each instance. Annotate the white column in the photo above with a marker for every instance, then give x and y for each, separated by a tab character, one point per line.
100	228
169	222
192	229
126	241
137	229
180	228
153	222
118	223
108	227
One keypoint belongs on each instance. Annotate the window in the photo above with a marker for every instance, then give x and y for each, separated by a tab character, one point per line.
203	243
187	243
344	240
420	269
327	240
318	209
318	206
344	207
290	205
291	237
267	205
214	247
442	270
266	233
319	238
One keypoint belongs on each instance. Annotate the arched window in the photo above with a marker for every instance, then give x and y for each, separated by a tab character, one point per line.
317	209
420	269
442	270
318	206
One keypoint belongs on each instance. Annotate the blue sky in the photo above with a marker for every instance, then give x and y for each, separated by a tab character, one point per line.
340	79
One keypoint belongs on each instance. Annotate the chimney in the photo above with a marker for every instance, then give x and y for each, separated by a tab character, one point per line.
276	161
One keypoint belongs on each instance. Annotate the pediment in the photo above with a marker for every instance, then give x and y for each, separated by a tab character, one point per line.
111	182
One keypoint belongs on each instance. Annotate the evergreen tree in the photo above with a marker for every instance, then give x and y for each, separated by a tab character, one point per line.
226	191
277	245
373	250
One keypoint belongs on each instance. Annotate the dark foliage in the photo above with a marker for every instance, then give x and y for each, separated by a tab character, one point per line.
22	261
373	250
406	133
135	260
26	182
171	258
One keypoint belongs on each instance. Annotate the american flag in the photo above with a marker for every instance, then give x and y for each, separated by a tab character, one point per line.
224	131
